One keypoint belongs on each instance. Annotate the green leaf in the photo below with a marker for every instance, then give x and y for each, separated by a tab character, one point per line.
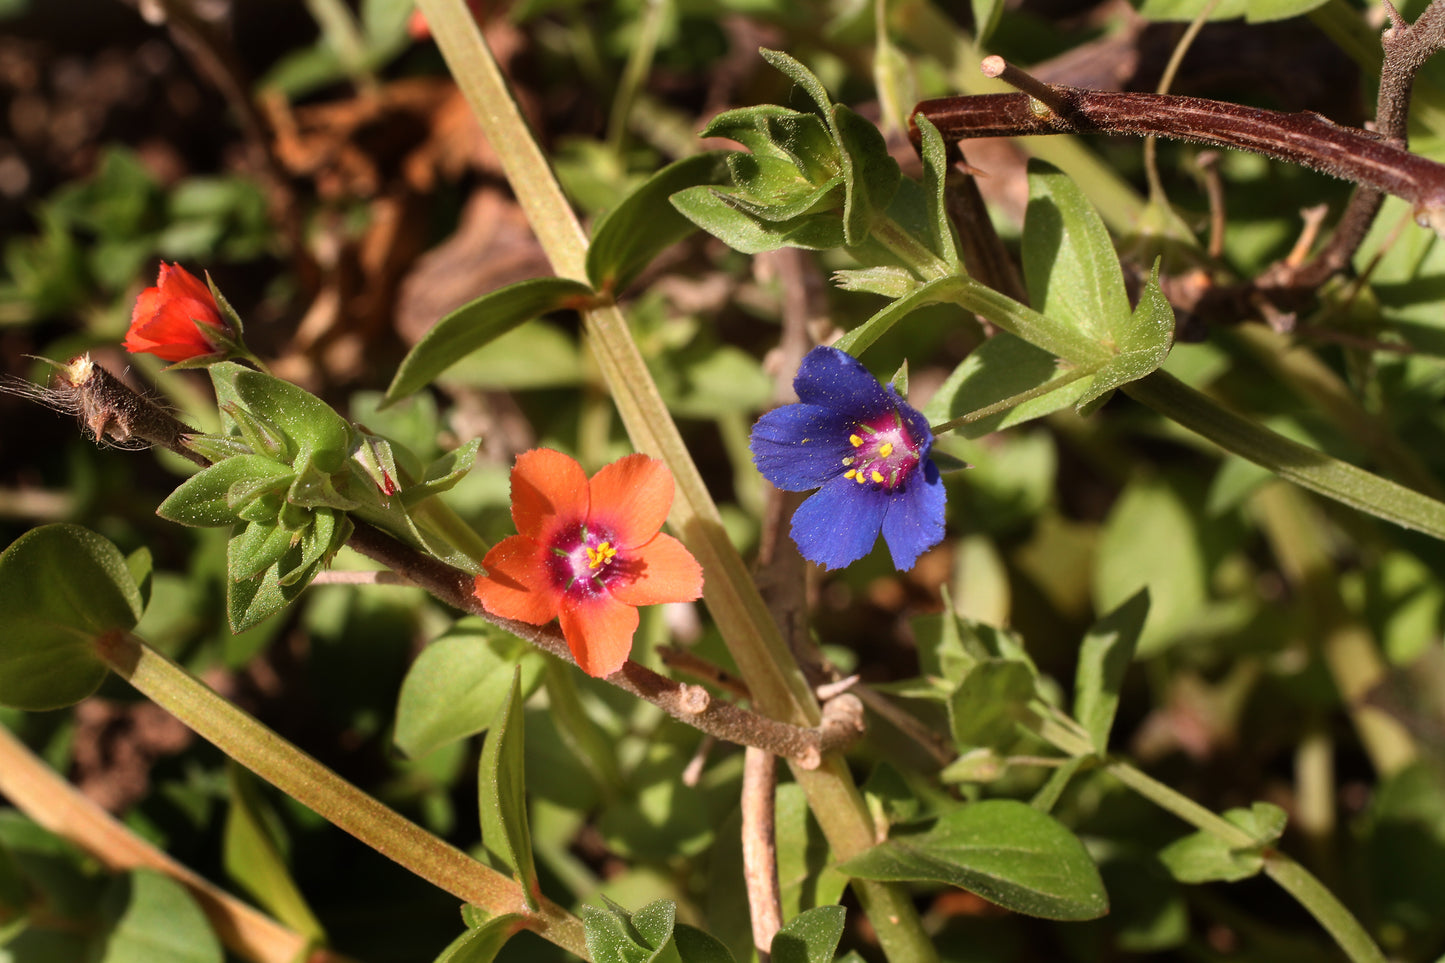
986	14
320	434
935	180
810	937
629	236
1254	11
1005	851
752	127
715	212
482	943
1070	267
806	873
615	936
213	496
1141	342
253	860
1104	657
61	588
475	324
255	600
259	546
696	946
988	705
444	473
458	684
1205	858
501	785
156	921
1004	371
870	173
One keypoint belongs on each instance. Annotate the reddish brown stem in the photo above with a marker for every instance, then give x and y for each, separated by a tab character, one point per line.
1301	138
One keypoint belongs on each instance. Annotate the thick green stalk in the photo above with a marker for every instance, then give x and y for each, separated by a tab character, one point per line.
774	679
313	785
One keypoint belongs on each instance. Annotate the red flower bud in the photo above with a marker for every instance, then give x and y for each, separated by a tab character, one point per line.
177	320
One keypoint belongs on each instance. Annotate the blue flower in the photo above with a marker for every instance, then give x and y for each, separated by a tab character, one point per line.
866	450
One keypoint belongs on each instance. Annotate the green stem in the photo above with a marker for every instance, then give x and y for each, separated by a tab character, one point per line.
639	62
773	676
1323	906
1292	877
295	773
1290	460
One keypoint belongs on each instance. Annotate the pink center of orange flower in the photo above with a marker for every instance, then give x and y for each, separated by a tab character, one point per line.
884	453
584	561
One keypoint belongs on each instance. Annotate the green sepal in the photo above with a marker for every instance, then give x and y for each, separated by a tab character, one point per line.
749	127
318	545
258	547
810	937
293	517
714	212
204	500
227	312
257	434
444	473
808	144
315	488
935	178
216	448
319	433
263	508
890	281
61	587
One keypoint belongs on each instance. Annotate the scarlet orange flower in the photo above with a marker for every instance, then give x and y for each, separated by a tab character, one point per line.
177	320
588	552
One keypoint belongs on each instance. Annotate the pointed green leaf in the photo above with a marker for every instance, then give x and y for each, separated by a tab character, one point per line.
459	683
612	938
935	180
1203	857
258	547
444	473
750	126
317	431
205	500
476	323
870	172
154	920
801	76
988	705
714	212
1003	850
255	600
481	944
501	780
61	587
253	860
1070	266
1141	342
696	946
1005	382
634	232
810	937
1104	657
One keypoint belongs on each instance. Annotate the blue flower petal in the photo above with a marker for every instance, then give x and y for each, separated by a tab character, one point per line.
799	447
914	522
838	524
837	380
916	424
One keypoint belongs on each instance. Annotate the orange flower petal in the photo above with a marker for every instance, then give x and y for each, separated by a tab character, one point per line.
164	320
599	632
548	489
176	282
632	497
660	571
517	585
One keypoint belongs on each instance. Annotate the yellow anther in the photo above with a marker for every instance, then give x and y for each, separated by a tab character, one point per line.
885	449
601	555
855	441
877	477
858	477
850	472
